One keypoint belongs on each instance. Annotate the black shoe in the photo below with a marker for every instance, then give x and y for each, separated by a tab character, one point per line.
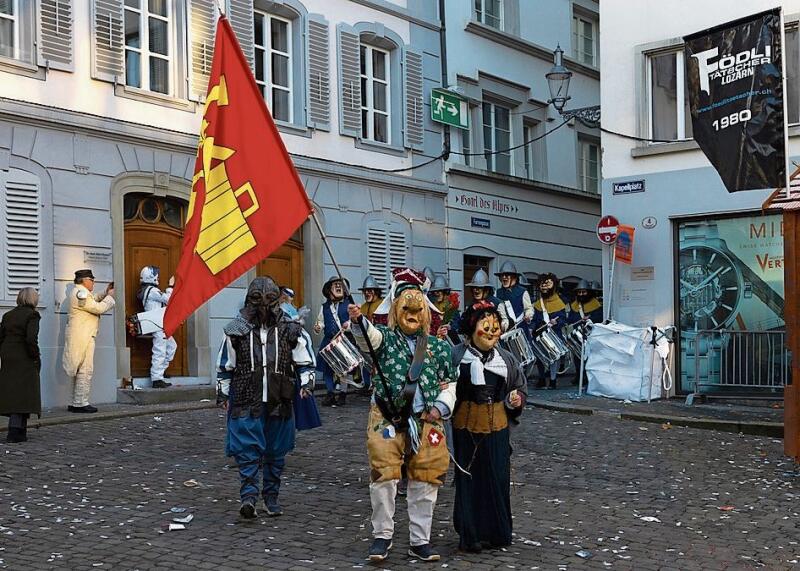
272	506
472	548
16	435
87	409
423	552
379	550
341	399
540	384
402	487
161	384
248	509
329	400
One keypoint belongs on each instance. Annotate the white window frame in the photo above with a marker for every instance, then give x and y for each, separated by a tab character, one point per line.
144	50
369	134
679	86
15	26
577	39
491	145
480	14
269	50
583	165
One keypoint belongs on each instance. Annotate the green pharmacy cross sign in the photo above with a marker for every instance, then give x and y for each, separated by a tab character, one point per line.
449	108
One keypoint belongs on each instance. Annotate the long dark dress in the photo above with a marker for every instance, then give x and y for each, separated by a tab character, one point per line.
20	362
482	513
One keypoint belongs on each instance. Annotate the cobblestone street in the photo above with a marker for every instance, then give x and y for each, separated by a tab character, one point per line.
98	495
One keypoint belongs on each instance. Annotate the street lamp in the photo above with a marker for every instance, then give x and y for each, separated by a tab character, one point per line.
558	82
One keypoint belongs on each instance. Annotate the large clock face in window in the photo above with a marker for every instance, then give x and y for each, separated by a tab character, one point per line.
710	289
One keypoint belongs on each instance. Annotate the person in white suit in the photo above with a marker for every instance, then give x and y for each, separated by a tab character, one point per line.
85	309
151	297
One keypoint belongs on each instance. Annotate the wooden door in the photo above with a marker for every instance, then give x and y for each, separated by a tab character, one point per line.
285	266
151	241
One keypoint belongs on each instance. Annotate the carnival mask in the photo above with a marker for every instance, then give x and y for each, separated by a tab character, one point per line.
487	333
337	290
508	280
261	304
438	296
582	295
547	287
478	293
411	311
369	295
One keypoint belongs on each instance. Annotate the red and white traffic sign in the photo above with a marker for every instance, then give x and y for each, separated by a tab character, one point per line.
607	229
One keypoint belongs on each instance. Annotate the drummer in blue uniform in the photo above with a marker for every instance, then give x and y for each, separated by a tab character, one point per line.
332	318
550	309
586	305
516	306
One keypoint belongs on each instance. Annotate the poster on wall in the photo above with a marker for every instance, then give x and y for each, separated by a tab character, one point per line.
734	74
623	248
730	273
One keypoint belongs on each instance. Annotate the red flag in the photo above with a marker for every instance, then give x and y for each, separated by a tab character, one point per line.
246	196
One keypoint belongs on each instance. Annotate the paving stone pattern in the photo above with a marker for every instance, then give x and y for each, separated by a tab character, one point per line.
97	495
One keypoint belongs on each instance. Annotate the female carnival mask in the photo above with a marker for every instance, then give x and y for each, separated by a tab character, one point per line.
410	312
487	332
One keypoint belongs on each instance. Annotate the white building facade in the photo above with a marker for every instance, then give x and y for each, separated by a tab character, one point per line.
100	109
704	259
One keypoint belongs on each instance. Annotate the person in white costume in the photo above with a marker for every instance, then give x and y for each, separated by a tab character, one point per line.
84	310
151	297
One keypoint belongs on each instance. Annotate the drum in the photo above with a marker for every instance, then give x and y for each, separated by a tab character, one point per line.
516	343
548	346
342	356
575	336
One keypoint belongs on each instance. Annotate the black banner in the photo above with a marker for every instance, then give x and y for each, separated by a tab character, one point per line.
734	75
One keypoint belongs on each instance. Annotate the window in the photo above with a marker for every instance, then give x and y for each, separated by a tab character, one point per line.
589	166
148	45
497	138
466	146
9	28
19	242
527	135
792	40
273	65
584	45
670	117
386	249
375	97
489	12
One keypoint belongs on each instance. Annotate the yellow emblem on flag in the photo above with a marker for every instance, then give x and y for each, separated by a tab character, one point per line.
224	233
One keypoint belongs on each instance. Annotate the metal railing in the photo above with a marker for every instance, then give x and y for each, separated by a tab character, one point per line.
727	363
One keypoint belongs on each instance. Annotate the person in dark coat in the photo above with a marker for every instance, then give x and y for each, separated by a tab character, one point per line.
20	364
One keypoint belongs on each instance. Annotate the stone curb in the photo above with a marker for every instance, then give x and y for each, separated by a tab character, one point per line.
135	410
754	428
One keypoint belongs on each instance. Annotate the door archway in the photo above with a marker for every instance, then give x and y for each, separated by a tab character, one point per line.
153	234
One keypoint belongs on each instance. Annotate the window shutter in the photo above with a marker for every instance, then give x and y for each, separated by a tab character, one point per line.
349	55
319	86
107	40
202	24
386	249
23	250
377	256
414	103
240	14
54	43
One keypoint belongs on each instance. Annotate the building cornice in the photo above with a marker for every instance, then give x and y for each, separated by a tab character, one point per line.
456	169
117	130
530	48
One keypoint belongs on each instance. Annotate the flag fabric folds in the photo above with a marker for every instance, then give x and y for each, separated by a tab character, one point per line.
246	198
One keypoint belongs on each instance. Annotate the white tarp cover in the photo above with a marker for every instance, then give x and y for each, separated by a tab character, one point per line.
618	363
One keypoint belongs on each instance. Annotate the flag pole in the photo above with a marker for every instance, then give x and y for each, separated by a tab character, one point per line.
386	387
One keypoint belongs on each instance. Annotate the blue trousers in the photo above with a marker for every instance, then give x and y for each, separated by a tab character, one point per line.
259	444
